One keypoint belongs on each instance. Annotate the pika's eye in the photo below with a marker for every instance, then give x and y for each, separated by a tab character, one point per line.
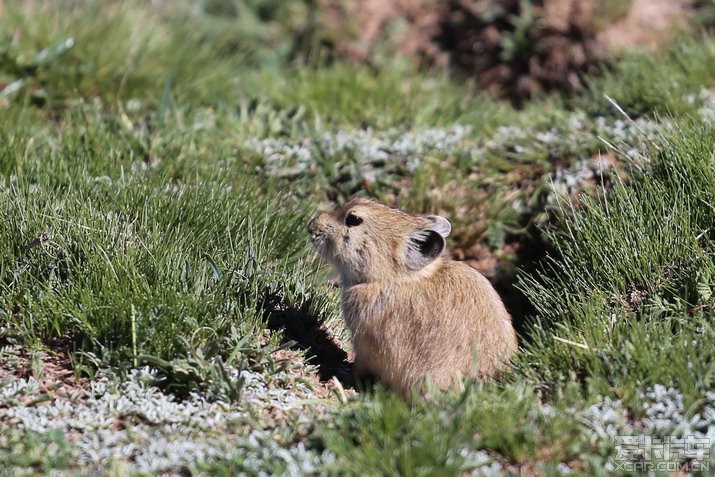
351	220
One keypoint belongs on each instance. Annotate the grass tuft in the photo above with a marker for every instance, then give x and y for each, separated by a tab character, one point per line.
632	288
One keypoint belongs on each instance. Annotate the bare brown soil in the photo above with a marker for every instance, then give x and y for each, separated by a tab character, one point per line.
52	368
649	23
516	49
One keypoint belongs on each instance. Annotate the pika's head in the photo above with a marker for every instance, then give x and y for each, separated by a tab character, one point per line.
368	242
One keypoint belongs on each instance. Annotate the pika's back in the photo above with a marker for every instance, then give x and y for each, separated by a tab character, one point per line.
449	323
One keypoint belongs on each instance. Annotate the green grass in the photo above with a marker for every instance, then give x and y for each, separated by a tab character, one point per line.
43	452
633	285
644	83
141	226
112	245
340	94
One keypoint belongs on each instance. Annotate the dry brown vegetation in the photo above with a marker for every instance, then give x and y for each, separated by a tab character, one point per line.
514	48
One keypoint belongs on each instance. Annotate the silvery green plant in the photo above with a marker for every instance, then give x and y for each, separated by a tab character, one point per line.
130	420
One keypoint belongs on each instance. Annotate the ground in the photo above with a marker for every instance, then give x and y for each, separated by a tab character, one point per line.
162	311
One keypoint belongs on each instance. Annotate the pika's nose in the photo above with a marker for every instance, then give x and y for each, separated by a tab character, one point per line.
315	230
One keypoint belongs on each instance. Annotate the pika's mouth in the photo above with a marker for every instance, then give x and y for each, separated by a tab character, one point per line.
316	238
320	238
321	244
315	233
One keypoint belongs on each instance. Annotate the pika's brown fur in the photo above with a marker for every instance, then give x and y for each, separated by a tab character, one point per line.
412	311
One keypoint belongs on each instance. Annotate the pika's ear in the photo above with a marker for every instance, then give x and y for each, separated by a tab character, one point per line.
423	247
440	225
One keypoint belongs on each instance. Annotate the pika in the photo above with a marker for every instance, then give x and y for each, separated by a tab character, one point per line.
413	312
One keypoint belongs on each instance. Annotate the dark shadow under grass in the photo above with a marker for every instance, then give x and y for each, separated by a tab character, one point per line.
322	348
